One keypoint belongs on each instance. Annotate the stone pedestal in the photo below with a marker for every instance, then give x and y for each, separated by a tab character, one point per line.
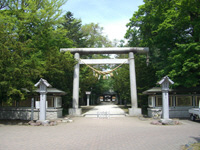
165	105
88	100
166	121
135	112
75	111
43	98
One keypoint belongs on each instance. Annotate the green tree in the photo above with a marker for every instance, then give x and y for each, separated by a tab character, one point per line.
95	37
74	32
16	68
30	42
121	83
171	30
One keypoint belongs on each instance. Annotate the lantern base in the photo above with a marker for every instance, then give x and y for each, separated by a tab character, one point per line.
166	121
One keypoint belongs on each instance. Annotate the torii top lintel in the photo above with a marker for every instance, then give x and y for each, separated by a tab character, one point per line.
108	50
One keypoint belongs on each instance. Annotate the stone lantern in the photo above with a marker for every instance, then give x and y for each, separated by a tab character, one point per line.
165	96
88	97
42	84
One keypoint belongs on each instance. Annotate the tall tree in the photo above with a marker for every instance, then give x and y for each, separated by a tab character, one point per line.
95	37
30	41
121	84
74	31
170	29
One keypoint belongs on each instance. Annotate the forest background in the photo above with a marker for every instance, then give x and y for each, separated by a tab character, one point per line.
32	33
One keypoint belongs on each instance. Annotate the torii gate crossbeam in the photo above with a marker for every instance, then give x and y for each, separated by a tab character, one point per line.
134	110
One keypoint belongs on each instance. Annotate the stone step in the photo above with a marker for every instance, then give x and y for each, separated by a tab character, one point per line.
105	111
104	116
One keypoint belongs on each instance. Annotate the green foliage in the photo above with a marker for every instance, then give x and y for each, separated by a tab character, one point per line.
171	30
185	65
122	83
145	78
87	80
32	32
15	64
74	32
95	37
103	85
145	75
30	38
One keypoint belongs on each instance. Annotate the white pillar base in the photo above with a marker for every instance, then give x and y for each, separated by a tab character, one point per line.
134	112
165	120
75	111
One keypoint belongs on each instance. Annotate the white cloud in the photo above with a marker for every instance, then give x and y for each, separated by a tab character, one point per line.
112	15
115	30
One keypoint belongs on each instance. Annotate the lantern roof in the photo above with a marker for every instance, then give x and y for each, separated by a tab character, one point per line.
165	79
43	81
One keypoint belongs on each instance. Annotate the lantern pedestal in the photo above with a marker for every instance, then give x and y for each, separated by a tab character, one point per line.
166	121
88	97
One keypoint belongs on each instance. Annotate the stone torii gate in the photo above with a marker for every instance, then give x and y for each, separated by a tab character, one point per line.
134	110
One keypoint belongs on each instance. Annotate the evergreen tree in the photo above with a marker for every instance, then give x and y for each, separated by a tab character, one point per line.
74	32
30	39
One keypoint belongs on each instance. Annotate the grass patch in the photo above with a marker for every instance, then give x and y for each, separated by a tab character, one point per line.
124	108
194	146
86	108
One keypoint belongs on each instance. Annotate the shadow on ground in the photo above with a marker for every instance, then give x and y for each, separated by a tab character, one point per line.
14	122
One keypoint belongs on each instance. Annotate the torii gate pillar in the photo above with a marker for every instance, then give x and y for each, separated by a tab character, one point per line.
134	110
75	110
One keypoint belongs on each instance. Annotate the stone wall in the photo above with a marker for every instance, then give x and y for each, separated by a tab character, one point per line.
23	113
174	112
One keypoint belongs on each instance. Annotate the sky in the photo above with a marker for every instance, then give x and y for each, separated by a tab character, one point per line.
112	15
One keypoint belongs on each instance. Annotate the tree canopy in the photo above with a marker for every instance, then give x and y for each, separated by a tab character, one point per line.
95	37
30	40
31	35
171	30
74	30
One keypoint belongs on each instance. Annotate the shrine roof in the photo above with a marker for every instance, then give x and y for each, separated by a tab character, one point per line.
180	90
53	91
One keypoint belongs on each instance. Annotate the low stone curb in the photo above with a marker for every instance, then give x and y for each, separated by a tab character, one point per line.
42	123
164	122
49	123
65	120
